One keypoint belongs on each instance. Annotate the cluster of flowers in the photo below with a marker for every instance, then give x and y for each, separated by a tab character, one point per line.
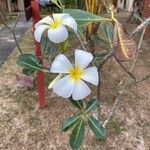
71	77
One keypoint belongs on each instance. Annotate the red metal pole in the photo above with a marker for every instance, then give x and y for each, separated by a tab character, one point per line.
40	74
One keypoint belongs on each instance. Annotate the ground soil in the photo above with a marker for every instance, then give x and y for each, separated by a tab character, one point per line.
23	126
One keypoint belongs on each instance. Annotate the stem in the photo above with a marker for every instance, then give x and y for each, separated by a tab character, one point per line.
142	25
106	58
140	80
99	83
99	93
12	30
80	40
123	67
44	69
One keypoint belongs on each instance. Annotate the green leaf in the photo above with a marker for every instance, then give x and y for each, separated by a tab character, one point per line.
98	130
100	56
109	33
77	135
49	50
92	104
83	17
99	40
78	104
69	123
28	61
96	39
44	44
27	71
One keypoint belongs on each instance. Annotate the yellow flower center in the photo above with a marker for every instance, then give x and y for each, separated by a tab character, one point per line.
76	73
55	24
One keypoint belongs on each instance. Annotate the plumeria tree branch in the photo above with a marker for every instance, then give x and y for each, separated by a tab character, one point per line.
106	58
140	80
124	68
141	26
123	88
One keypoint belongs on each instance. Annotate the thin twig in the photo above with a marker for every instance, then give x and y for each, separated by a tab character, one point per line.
140	80
141	26
113	86
99	93
121	92
17	19
106	58
11	30
124	68
82	44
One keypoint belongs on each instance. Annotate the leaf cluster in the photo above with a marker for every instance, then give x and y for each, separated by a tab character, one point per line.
77	123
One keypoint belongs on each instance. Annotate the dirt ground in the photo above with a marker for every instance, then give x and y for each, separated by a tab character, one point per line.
23	126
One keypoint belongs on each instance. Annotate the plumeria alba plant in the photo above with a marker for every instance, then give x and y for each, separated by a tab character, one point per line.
77	70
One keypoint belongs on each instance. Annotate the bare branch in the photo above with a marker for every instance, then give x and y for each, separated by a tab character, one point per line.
124	68
141	26
18	16
106	58
12	30
80	40
140	80
123	88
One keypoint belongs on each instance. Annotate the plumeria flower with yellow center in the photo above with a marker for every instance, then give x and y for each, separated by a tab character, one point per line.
56	27
72	84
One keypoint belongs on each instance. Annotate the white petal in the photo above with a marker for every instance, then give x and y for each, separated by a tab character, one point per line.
60	16
80	91
64	87
91	75
61	64
82	58
60	34
70	22
46	20
39	31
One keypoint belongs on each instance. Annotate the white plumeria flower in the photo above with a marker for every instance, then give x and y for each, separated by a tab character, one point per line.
57	31
72	84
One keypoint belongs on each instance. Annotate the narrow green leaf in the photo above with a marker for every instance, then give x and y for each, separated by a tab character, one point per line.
98	130
100	40
109	33
28	61
78	104
69	123
44	44
28	72
56	3
77	135
100	56
84	17
49	50
92	104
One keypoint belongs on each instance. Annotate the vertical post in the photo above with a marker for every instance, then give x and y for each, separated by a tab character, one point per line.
40	74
